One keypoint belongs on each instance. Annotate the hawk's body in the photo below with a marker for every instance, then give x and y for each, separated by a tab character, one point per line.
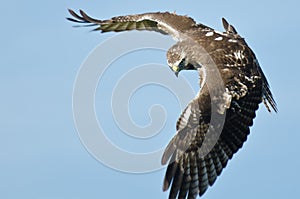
240	89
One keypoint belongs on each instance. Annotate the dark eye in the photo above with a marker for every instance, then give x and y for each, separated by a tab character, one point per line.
182	64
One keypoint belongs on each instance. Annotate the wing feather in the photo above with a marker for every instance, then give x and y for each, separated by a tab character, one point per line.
217	164
211	171
239	117
203	178
268	98
163	22
177	182
193	190
186	177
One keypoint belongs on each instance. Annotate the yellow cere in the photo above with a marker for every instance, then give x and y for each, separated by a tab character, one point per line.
175	68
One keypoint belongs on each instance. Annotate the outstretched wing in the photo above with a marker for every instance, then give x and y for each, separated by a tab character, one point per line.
166	23
188	172
268	98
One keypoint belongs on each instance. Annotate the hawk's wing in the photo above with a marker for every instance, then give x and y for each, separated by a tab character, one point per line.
166	23
189	173
267	95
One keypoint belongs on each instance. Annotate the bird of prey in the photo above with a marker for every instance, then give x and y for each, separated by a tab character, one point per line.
232	85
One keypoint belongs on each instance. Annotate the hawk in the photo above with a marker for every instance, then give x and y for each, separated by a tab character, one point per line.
216	123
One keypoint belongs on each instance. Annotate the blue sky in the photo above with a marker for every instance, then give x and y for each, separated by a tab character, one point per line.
41	155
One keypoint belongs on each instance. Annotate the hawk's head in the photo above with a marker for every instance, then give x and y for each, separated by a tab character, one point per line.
178	59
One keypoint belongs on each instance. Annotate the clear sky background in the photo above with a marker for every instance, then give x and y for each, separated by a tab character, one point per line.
41	155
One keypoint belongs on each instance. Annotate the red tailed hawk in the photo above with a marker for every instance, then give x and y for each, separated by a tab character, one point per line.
235	96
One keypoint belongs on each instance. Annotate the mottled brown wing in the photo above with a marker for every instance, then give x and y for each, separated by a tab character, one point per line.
268	98
165	23
190	174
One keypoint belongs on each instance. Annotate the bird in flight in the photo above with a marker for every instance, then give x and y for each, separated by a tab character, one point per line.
216	123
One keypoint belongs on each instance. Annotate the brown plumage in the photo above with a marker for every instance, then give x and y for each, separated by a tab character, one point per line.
216	123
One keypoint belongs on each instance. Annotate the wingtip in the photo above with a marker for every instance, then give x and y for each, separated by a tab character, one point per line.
73	20
164	159
270	104
84	15
72	12
274	107
224	21
82	12
166	185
